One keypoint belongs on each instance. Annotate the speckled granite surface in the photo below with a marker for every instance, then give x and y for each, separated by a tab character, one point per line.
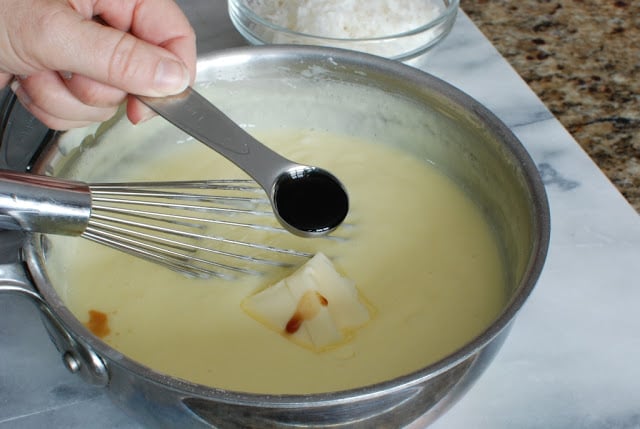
582	58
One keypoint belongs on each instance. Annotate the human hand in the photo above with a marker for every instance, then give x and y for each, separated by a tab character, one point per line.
73	62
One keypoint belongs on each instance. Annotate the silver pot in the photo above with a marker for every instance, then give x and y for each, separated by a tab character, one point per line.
419	113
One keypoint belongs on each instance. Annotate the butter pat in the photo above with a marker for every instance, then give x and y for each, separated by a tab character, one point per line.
315	307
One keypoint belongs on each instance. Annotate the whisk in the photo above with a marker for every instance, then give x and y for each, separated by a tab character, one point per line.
156	221
181	225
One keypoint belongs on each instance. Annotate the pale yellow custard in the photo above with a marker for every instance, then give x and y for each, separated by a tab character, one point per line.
418	249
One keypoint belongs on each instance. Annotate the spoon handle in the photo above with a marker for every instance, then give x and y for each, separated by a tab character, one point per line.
199	118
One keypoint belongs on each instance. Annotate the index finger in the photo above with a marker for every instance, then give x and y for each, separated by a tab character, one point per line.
159	22
147	48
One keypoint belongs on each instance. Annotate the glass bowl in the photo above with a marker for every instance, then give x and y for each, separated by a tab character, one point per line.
370	26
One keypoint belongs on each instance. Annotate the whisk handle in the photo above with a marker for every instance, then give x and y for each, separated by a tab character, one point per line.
34	203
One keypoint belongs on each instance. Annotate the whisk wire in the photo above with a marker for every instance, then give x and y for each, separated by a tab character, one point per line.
95	225
172	260
178	219
156	221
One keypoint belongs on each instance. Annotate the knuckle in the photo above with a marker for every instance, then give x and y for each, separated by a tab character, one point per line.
123	63
54	20
92	93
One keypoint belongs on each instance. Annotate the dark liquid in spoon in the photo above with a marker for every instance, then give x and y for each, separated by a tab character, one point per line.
311	200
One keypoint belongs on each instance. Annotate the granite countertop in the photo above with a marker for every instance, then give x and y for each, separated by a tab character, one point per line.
582	59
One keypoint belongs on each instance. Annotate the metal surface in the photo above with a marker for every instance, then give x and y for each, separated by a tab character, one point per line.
198	117
77	356
457	134
21	137
35	203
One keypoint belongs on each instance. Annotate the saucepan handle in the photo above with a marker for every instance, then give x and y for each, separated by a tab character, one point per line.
22	135
77	357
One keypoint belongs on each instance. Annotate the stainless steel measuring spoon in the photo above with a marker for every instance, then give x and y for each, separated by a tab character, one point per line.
308	201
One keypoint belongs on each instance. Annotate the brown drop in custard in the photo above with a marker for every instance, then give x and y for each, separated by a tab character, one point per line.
98	323
307	309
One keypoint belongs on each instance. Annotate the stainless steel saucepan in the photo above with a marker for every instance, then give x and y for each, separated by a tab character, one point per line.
418	113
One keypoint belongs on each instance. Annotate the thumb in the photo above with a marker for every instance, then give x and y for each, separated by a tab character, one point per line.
113	57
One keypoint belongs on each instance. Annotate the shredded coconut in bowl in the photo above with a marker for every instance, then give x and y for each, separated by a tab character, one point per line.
352	19
348	19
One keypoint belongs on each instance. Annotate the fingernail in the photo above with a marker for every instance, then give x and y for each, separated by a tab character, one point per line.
171	77
146	115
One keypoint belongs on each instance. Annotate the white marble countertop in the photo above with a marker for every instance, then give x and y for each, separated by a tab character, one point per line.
571	360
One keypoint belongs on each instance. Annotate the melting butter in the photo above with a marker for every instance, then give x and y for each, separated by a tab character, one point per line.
314	307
